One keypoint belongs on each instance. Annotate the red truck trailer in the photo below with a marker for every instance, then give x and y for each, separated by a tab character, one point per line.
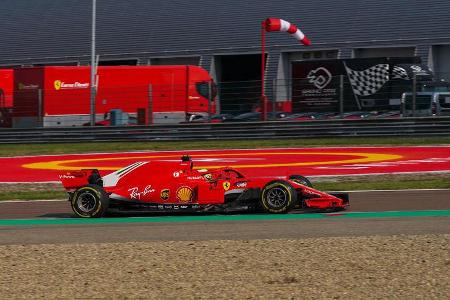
60	96
6	88
6	96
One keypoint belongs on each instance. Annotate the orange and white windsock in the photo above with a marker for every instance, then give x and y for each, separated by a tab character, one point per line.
272	24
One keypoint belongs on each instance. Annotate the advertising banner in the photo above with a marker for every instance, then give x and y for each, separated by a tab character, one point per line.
368	83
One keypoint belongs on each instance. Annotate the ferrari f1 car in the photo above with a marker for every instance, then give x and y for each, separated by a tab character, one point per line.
177	186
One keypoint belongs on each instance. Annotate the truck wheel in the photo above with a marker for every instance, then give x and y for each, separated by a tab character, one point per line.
90	201
300	179
278	197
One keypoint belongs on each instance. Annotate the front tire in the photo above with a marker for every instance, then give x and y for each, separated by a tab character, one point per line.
90	201
301	179
278	197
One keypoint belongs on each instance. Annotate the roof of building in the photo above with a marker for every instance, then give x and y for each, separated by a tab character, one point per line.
49	28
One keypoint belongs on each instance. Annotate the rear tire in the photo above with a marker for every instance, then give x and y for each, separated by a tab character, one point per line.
301	179
90	201
278	197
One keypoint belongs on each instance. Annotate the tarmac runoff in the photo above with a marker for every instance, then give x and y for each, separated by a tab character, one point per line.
226	218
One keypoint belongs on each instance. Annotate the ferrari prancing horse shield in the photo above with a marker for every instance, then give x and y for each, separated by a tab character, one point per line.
226	185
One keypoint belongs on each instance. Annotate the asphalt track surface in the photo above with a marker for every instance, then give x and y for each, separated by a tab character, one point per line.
380	222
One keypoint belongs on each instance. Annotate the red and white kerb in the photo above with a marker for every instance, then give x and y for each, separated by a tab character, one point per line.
282	25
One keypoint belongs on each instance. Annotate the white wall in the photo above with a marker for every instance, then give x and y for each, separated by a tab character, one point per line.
440	61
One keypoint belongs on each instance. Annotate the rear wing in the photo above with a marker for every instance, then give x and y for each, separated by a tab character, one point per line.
74	179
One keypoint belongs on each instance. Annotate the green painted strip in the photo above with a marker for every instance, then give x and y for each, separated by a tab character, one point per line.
227	218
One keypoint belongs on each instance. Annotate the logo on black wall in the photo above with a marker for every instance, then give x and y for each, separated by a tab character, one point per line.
320	77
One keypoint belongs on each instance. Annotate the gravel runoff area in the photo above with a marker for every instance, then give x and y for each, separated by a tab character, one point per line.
378	267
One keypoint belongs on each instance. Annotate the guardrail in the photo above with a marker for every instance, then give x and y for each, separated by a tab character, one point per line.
436	126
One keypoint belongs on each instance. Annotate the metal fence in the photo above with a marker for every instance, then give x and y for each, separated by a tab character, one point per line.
339	97
433	126
345	97
299	99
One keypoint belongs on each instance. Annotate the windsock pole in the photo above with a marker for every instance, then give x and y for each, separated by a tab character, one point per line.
269	25
263	68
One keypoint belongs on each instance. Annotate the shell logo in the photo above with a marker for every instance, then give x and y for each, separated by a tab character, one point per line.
184	194
57	84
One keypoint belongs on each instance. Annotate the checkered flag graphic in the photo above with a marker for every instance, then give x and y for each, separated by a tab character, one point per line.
369	81
400	73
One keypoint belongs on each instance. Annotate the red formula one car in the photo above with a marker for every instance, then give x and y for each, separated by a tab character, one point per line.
177	186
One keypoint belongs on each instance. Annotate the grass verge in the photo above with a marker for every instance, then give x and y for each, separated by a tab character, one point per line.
36	149
33	195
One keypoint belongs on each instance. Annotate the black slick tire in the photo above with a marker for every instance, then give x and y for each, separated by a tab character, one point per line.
90	201
278	197
301	179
